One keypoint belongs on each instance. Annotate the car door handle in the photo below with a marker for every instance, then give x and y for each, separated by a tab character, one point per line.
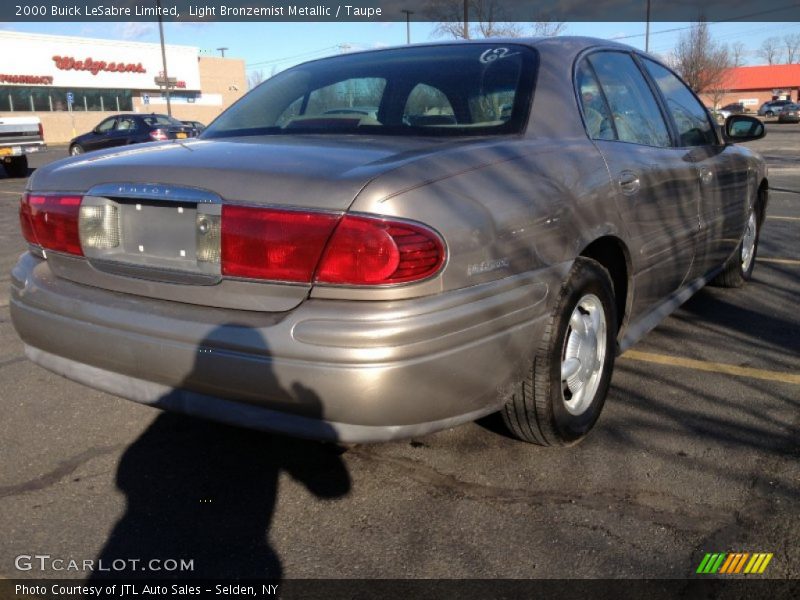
706	174
629	182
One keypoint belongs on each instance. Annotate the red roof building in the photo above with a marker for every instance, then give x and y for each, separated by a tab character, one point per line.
752	86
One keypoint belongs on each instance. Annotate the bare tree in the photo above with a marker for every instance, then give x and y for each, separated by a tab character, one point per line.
770	50
254	78
717	92
482	19
792	45
738	51
548	28
702	62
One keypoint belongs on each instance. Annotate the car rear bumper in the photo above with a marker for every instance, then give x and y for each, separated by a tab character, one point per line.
21	149
339	370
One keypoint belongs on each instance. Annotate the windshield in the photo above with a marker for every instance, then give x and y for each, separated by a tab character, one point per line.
465	89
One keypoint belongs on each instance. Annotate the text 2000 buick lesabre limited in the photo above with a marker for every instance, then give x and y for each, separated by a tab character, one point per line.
388	243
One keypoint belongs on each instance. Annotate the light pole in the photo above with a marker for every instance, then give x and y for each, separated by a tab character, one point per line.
647	30
163	57
408	24
222	51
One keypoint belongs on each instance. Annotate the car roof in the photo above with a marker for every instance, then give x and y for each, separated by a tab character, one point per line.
566	44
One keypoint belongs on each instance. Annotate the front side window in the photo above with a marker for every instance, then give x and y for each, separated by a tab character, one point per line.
691	118
471	89
637	118
107	125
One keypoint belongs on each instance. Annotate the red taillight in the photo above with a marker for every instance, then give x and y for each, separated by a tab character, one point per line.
273	244
41	131
26	220
159	135
307	247
370	251
52	222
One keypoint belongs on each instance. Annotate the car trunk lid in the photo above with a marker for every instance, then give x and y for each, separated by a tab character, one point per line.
160	194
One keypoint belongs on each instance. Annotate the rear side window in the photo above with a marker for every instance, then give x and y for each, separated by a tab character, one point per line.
637	118
691	118
596	114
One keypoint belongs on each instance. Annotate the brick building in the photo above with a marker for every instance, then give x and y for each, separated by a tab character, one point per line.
106	77
752	86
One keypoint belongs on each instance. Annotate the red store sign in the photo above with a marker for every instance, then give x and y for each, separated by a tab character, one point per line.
29	79
67	63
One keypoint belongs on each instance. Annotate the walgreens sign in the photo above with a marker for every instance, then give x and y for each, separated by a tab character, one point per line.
67	63
94	63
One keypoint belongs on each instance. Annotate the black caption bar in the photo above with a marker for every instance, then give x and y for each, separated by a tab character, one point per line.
394	10
427	589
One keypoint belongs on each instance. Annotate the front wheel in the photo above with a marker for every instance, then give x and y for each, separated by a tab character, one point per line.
76	149
739	267
562	394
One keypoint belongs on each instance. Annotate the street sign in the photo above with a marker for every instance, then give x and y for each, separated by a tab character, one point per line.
166	81
145	98
70	98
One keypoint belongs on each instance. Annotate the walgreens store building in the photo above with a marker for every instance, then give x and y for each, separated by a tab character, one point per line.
105	77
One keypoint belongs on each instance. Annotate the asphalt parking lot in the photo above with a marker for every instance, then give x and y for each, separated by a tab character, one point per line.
696	452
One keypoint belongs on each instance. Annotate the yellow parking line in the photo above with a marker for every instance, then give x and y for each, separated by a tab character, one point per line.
713	367
779	261
18	194
784	218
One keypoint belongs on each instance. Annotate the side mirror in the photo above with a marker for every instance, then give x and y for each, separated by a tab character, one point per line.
742	128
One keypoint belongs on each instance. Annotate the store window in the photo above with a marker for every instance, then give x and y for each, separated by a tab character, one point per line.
39	99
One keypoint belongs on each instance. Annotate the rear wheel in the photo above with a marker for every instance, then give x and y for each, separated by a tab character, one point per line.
769	113
562	394
739	267
16	166
75	149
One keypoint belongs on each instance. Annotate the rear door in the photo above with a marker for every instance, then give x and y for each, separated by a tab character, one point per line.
657	186
721	169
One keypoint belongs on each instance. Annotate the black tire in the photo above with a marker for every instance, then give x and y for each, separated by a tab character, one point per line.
537	410
17	166
769	113
736	270
76	149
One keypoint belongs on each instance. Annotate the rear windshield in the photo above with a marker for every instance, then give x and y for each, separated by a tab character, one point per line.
161	120
467	89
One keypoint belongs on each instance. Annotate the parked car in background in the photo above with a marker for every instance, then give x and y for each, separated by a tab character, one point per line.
736	108
196	126
789	114
772	108
364	277
130	128
20	136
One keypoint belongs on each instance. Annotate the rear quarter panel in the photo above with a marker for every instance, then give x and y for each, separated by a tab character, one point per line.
513	206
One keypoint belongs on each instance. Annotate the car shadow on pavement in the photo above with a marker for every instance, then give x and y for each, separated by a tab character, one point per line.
205	492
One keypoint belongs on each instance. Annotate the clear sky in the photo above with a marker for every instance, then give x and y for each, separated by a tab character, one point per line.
268	46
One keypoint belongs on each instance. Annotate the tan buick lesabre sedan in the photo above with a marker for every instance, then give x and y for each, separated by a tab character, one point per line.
388	243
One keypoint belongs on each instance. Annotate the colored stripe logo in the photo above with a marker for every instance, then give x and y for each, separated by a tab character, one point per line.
734	563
